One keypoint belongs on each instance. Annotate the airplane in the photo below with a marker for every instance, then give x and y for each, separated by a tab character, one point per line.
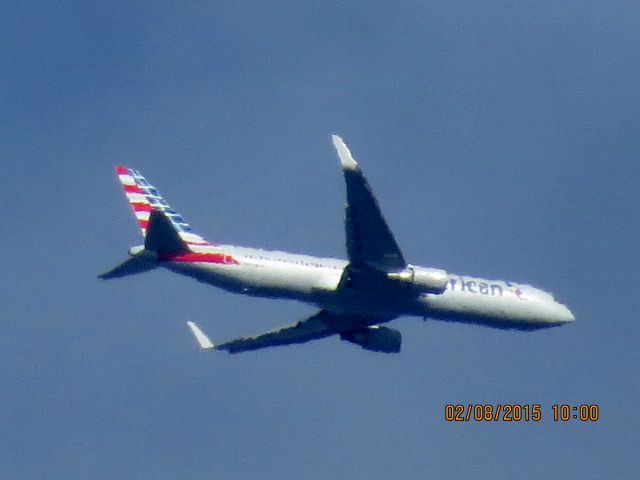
356	297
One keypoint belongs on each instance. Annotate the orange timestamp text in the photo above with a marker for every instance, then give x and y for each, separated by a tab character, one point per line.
516	412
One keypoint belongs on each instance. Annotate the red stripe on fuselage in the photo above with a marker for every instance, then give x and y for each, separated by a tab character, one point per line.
191	257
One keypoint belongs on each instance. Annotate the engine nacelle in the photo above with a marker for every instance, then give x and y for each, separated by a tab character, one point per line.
429	280
375	338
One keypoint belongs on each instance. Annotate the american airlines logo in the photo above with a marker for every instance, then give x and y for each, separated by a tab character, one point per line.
478	287
474	286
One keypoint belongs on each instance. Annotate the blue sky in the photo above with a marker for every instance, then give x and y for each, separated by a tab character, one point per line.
501	139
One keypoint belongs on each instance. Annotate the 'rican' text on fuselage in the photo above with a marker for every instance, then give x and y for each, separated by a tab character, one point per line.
473	285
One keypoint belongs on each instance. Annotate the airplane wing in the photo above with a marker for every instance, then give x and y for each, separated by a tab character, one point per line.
369	239
312	328
322	324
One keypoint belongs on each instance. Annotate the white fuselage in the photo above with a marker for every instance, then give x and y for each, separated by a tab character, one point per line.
314	280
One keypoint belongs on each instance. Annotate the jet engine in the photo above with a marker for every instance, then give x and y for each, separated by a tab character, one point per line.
375	338
429	280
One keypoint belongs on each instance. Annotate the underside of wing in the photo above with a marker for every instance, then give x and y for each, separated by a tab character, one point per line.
354	329
369	239
312	328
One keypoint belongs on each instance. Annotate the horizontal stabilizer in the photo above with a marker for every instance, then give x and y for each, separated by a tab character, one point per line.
131	266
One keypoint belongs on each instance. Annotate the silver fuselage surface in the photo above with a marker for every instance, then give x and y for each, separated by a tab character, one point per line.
314	280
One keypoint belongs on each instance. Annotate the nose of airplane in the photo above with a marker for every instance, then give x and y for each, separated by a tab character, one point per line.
563	314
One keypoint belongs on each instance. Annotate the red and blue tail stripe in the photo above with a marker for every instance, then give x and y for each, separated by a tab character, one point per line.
144	198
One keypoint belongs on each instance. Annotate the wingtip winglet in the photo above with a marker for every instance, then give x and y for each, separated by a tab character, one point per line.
346	159
200	336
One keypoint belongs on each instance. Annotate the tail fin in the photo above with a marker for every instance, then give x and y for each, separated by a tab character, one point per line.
162	236
144	198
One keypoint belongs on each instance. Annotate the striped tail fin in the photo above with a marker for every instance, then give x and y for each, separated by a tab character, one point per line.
144	198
